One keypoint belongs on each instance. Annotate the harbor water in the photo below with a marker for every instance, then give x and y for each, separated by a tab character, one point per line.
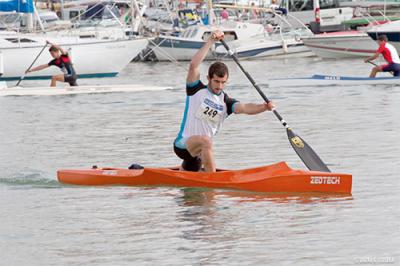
354	129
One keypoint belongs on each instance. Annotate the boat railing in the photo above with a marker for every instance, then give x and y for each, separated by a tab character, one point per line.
77	20
296	32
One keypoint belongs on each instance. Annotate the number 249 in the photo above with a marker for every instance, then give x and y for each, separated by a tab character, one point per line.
210	112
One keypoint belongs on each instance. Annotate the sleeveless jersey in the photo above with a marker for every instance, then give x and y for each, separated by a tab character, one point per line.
204	112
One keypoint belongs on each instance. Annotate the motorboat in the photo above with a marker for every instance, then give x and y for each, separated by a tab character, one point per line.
193	38
341	44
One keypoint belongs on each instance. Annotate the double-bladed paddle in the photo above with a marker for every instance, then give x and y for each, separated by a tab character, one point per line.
303	150
23	76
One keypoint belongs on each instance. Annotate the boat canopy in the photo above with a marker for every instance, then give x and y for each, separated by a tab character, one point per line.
22	6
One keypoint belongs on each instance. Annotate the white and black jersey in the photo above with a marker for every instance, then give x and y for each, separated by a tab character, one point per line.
204	112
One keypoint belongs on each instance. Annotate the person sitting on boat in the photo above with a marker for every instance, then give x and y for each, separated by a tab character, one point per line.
275	7
224	14
391	56
207	106
61	60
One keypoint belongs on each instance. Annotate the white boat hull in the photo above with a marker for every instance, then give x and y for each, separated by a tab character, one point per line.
323	80
168	52
87	89
183	48
341	45
90	59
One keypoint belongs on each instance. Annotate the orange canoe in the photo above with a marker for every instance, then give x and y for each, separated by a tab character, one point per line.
277	177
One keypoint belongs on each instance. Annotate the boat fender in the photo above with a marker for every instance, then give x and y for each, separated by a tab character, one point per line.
135	166
284	47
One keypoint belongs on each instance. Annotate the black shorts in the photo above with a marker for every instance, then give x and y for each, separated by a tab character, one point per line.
189	163
393	67
71	79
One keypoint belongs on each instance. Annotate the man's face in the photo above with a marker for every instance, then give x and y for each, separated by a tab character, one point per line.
217	84
54	54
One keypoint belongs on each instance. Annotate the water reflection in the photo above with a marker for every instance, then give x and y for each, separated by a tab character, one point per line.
234	221
207	197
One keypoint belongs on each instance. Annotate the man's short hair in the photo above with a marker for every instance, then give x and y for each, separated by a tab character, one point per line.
53	49
382	37
219	69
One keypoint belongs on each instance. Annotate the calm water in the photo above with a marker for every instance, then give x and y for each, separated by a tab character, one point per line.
354	129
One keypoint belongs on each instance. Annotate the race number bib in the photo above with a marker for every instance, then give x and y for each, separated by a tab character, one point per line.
210	111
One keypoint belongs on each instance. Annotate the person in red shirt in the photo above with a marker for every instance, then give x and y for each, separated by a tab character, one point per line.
391	56
224	14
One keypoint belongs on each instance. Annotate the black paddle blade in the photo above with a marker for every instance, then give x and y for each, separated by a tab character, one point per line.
306	153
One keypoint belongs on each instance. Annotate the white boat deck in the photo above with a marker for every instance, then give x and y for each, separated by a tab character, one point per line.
86	89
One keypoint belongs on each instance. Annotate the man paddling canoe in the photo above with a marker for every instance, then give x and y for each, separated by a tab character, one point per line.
391	56
61	60
207	106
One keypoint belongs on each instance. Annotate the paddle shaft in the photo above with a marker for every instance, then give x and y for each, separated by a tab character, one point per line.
23	76
303	150
284	123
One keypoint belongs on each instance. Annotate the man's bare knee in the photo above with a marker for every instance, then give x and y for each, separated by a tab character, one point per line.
206	143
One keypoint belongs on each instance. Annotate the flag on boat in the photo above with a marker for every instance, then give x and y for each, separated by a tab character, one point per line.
22	6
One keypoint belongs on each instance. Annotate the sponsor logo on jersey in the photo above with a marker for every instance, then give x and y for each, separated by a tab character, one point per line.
214	105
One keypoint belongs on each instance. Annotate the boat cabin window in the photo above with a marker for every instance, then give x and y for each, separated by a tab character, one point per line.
229	35
16	40
75	14
101	11
89	36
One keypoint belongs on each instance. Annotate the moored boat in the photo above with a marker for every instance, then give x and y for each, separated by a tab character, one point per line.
193	38
277	177
263	45
326	80
342	44
91	58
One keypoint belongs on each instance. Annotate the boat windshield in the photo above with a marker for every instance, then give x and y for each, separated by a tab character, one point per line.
228	35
